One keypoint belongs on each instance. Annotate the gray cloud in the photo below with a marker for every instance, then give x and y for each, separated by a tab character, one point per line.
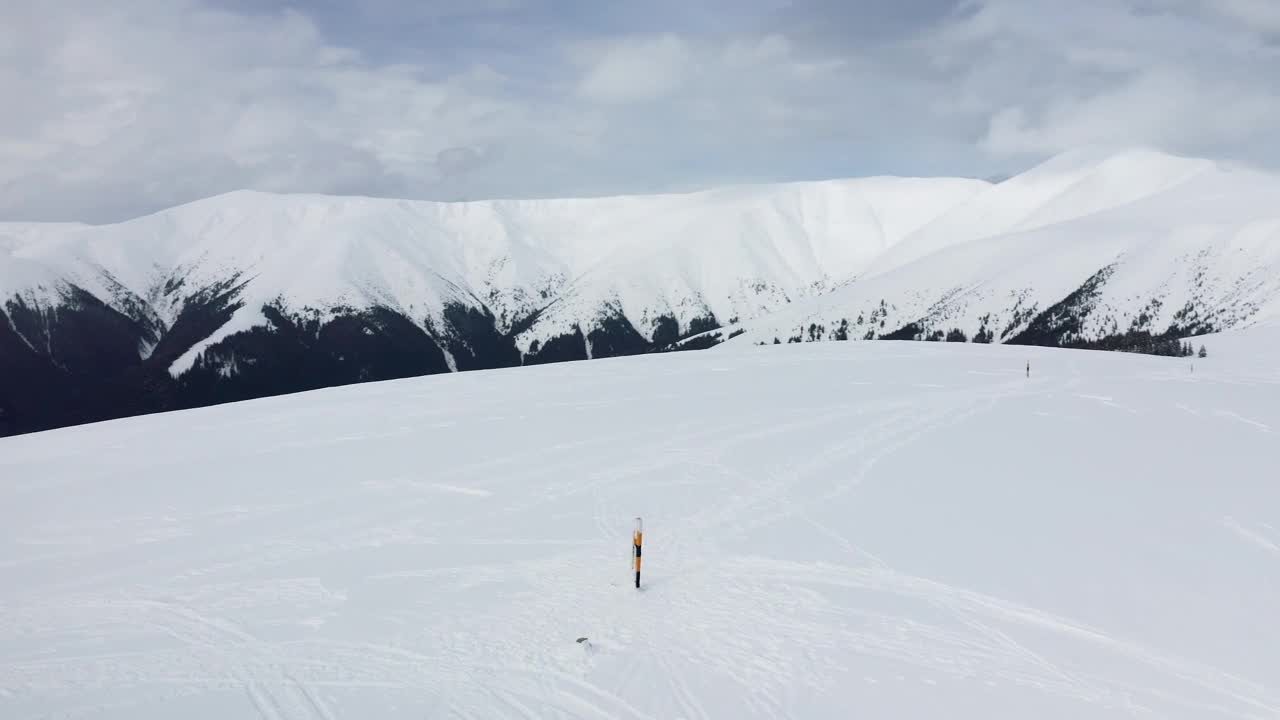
114	110
1189	76
867	24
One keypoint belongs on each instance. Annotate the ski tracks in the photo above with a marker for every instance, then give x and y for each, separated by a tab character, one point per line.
691	708
984	649
1257	536
280	680
276	695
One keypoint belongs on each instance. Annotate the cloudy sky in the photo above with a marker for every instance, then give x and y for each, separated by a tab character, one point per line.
112	109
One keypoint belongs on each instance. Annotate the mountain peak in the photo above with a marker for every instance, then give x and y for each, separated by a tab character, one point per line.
1140	160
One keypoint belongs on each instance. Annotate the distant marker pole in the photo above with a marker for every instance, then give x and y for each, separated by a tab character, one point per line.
636	538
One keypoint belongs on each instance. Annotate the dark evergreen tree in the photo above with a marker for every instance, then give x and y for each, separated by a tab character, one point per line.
842	332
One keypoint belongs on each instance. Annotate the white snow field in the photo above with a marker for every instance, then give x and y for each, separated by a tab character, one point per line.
833	530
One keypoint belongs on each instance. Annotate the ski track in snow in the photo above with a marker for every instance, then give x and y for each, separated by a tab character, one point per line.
1257	537
828	535
1247	421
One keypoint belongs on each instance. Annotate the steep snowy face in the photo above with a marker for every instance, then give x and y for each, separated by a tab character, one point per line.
1070	186
744	252
721	254
1184	247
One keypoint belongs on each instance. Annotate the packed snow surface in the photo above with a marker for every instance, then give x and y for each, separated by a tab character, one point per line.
832	530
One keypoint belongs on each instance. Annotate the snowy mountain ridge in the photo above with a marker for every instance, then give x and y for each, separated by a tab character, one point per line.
1139	242
225	298
510	257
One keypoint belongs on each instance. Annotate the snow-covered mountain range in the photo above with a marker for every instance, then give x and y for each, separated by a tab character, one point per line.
250	294
1080	249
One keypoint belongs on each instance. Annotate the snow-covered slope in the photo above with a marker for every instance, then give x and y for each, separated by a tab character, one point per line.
888	530
744	252
1072	252
730	253
1070	186
1255	349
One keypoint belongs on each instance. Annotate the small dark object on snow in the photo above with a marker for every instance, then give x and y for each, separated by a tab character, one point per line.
582	639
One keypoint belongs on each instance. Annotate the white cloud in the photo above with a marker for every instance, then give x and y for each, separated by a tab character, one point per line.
1108	74
151	103
1260	15
636	70
112	109
1150	108
156	102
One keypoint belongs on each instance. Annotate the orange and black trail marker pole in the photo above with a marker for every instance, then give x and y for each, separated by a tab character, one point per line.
636	538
